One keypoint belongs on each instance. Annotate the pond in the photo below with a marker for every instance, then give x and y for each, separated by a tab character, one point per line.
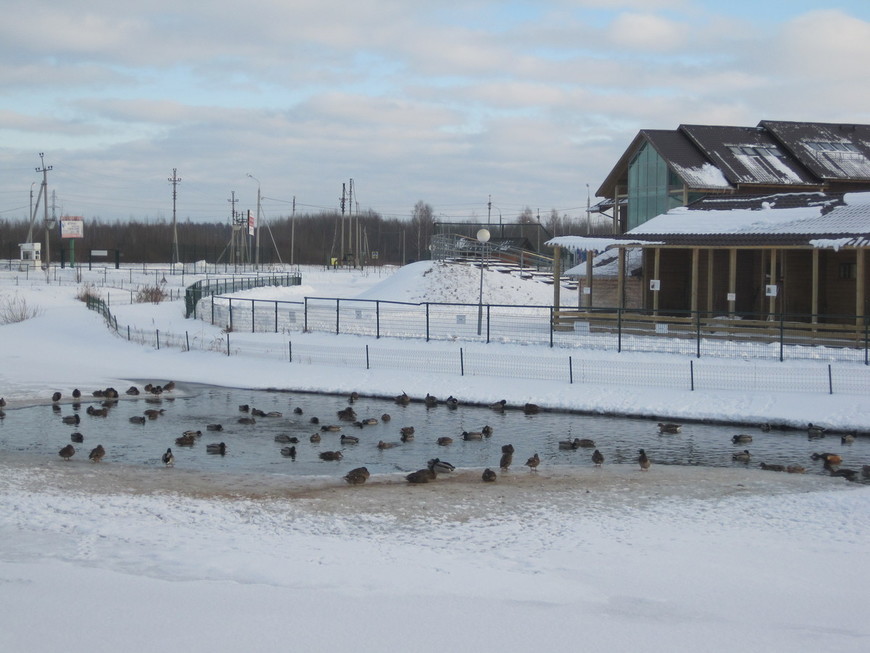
39	432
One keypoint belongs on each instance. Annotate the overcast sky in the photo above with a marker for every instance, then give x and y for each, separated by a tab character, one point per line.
447	102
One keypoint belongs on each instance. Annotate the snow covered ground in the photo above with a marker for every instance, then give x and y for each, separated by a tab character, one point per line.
107	558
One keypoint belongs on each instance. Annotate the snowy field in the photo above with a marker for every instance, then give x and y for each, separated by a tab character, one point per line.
105	557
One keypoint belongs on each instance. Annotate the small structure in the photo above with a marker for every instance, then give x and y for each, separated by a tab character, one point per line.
31	255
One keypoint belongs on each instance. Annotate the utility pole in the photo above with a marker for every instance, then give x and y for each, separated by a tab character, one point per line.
341	251
174	180
489	210
350	221
257	227
293	232
44	170
234	228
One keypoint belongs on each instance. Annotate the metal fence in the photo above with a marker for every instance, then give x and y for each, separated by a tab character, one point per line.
196	291
693	334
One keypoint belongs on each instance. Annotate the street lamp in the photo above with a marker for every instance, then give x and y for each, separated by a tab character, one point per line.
257	228
483	238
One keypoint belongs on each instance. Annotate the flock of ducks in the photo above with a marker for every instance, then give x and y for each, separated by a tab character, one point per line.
832	462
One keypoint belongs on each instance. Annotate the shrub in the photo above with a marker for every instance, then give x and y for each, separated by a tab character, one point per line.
151	294
16	309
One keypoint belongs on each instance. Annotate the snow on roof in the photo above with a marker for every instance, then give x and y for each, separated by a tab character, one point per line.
707	176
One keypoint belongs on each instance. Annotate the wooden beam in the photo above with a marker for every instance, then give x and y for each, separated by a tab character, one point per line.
696	255
814	306
590	255
657	258
732	279
557	275
710	255
859	286
771	304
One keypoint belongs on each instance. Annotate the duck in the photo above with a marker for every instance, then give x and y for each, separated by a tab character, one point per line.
387	445
330	428
815	431
507	458
331	455
742	456
347	414
168	458
533	462
274	413
531	409
741	438
848	438
349	439
828	458
643	460
386	417
597	458
407	433
185	441
256	412
487	431
451	402
402	399
56	397
421	476
76	393
795	469
67	452
357	476
77	437
71	419
97	412
289	452
246	420
586	443
216	447
2	402
430	401
244	408
772	468
472	435
670	427
169	386
444	441
354	396
283	437
214	427
848	474
488	476
569	444
97	453
865	471
315	438
154	413
765	427
498	406
297	411
440	466
314	420
191	433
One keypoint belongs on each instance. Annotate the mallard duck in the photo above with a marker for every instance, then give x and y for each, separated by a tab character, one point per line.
643	460
77	437
848	438
168	458
169	386
531	409
472	435
386	417
597	458
71	419
97	453
330	428
848	474
289	452
191	433
369	421
586	443
488	476
283	437
828	458
274	413
795	469
742	456
214	427
498	406
421	476
569	444
97	412
67	452
765	427
56	396
245	408
315	438
670	427
741	438
533	462
486	431
154	413
185	441
217	448
76	393
407	433
330	455
354	396
772	468
256	412
507	458
444	441
349	439
357	476
440	466
387	445
451	402
297	411
430	401
314	420
402	399
347	414
246	420
815	431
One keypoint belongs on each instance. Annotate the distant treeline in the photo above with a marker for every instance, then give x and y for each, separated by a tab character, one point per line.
315	238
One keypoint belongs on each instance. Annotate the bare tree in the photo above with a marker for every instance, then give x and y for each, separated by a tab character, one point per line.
423	226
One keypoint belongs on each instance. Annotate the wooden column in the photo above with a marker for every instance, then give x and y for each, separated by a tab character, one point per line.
732	279
771	304
859	286
590	256
657	259
557	275
710	255
696	255
620	280
815	290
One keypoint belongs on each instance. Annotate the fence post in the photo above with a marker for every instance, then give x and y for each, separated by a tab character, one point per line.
570	370
253	315
781	335
305	316
158	338
698	335
128	333
290	349
187	340
212	310
427	321
230	300
461	363
487	323
866	324
552	317
830	381
228	343
691	375
337	313
276	317
618	329
377	319
367	357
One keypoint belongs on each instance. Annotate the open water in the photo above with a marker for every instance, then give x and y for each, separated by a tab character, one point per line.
39	433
